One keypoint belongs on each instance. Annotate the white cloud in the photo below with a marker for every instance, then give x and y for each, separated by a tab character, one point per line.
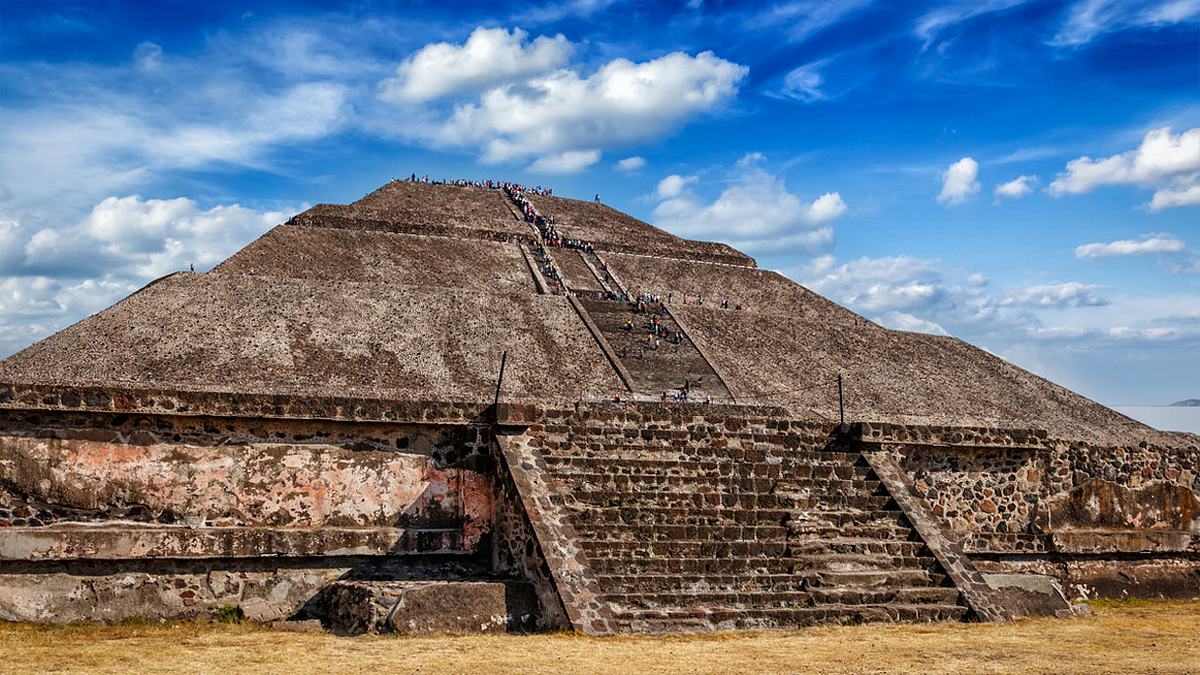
1145	245
490	57
1088	19
622	103
880	285
757	212
1058	296
960	182
1165	161
908	322
673	185
902	291
565	162
631	163
1065	331
1017	187
826	207
1185	192
52	277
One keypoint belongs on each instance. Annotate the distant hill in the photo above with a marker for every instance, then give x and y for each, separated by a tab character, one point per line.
1187	403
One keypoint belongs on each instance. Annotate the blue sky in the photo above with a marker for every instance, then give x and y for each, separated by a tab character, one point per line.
1024	175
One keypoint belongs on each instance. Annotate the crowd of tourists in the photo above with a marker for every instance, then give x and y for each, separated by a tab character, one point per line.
487	184
649	309
544	224
549	269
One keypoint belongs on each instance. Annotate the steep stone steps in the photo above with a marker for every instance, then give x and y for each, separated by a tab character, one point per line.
605	499
670	367
791	581
682	481
649	532
751	549
706	526
778	564
799	464
761	599
733	618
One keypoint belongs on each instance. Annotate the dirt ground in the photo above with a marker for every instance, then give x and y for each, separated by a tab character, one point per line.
1132	637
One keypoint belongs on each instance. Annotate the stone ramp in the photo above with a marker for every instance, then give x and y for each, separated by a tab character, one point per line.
670	365
715	526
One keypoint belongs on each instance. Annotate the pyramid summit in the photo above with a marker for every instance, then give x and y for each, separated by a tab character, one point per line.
448	388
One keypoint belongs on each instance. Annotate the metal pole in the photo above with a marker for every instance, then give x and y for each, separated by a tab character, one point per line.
841	403
500	380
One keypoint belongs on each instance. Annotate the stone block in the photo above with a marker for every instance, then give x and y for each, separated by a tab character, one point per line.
428	607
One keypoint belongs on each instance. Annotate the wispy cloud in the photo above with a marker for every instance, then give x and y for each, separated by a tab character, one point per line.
804	18
1150	244
946	17
1088	19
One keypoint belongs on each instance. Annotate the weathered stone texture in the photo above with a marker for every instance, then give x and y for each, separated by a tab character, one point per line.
168	590
426	607
708	518
319	408
299	337
197	472
978	490
611	230
328	254
1058	495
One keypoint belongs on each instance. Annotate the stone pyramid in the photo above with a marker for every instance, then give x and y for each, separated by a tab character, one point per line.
443	394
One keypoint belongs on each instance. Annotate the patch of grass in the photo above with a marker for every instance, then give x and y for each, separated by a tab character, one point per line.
228	614
1110	603
1121	637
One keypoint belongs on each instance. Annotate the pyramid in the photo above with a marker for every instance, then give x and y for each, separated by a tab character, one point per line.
601	406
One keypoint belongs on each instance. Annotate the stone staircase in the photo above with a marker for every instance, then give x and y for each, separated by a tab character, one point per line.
670	367
706	529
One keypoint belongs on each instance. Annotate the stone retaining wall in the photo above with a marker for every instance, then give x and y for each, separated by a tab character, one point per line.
995	489
109	516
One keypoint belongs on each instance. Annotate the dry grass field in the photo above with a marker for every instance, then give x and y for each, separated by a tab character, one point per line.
1137	637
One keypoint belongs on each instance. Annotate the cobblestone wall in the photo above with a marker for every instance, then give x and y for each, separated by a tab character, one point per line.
992	488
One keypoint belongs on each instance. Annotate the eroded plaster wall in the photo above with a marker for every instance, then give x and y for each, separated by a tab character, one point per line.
108	516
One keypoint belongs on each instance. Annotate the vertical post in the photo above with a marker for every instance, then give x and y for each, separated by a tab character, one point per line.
841	403
500	381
